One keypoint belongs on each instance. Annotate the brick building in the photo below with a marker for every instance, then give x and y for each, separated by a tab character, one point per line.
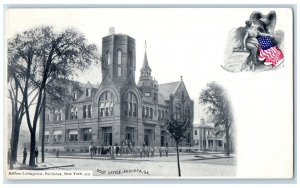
118	109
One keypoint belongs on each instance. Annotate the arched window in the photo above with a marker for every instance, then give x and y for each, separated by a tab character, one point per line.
130	104
187	112
119	57
106	104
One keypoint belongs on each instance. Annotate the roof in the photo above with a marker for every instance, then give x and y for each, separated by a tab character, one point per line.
168	88
146	66
208	125
161	99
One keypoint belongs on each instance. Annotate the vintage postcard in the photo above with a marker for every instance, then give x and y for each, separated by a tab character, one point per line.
100	93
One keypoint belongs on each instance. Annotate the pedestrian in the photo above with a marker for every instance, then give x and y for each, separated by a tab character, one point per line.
148	151
152	151
117	149
102	150
160	151
98	150
24	155
91	151
57	153
141	152
166	152
36	154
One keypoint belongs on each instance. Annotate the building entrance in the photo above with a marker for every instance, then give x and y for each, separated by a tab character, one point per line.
107	136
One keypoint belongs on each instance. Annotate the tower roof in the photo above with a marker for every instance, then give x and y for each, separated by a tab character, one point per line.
145	66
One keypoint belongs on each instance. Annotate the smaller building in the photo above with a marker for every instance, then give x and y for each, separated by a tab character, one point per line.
205	139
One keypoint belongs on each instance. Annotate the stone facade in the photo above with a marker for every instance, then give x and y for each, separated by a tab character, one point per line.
119	110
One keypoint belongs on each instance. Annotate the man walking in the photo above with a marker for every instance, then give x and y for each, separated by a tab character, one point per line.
24	155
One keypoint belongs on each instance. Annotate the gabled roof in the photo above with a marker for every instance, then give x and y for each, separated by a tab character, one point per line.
168	88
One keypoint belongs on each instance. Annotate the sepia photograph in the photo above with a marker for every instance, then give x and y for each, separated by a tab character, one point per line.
141	93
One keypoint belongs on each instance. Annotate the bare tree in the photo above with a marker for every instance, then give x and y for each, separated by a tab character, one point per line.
16	78
218	105
177	129
47	56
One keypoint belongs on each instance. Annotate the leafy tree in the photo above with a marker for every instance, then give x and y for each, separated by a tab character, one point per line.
177	129
218	105
46	57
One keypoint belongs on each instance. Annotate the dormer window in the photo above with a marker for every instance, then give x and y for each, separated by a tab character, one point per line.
88	92
74	94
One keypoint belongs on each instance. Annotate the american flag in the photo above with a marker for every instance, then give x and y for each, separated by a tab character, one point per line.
268	52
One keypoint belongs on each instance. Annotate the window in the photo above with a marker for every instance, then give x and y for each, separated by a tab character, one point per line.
195	132
76	113
130	104
119	57
151	113
177	112
106	104
46	136
87	134
74	94
88	92
84	111
130	109
72	114
147	94
73	135
119	71
57	136
89	111
135	110
147	112
143	112
58	115
126	108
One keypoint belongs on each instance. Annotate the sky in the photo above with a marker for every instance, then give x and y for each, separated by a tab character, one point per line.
191	43
180	42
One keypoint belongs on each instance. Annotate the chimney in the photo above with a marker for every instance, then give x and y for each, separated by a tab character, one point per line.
111	30
201	121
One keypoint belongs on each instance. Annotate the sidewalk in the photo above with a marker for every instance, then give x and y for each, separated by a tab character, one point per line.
39	166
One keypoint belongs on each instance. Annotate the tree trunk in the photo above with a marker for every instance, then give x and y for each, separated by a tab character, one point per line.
32	149
15	141
227	141
178	164
15	130
43	128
